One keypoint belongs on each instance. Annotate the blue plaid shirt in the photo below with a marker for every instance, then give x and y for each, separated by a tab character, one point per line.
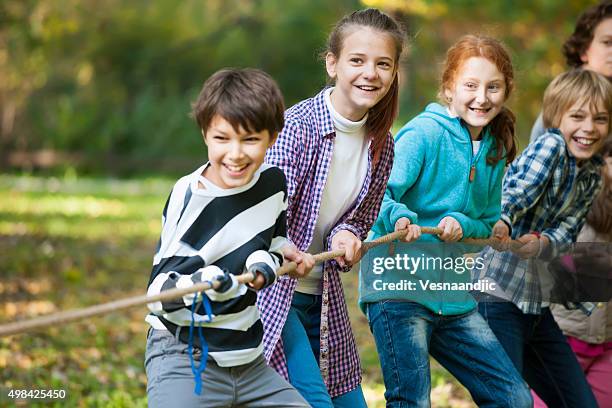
303	151
544	190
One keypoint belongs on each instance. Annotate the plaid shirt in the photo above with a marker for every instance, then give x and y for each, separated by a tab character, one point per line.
304	150
544	190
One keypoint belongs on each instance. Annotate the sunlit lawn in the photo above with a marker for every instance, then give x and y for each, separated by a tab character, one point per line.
68	243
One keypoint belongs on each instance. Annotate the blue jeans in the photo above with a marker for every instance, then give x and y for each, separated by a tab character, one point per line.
301	343
540	351
406	333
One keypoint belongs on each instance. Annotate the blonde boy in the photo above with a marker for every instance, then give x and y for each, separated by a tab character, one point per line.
546	195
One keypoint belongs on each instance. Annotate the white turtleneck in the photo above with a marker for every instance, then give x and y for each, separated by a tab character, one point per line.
347	173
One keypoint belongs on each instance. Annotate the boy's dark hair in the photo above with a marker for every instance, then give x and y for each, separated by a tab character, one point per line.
247	98
581	38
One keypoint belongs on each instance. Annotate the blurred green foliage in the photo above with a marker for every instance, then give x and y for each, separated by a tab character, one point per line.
112	81
70	243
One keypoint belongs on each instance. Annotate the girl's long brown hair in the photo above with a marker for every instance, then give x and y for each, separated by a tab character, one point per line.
380	116
600	215
502	126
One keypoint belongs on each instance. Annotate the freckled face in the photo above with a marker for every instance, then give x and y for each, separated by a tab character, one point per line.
478	93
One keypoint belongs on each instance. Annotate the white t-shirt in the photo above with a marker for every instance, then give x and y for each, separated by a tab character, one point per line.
347	173
475	143
475	146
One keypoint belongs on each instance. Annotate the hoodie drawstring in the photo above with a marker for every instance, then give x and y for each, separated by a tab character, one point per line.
197	371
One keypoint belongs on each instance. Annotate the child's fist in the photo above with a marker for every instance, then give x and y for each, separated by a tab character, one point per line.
413	233
258	282
451	229
532	246
352	247
402	223
212	273
304	261
500	231
263	273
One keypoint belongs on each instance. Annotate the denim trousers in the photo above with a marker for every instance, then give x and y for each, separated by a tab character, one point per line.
539	350
301	344
406	333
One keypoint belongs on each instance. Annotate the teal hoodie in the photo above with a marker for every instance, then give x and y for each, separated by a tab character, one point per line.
431	180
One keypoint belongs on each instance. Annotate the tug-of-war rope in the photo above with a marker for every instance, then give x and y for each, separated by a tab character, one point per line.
67	316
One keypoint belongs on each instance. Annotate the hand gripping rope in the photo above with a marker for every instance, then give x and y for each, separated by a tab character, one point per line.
126	303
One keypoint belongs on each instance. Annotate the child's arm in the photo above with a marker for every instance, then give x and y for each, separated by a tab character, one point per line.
229	288
266	263
165	280
286	152
564	229
408	161
529	176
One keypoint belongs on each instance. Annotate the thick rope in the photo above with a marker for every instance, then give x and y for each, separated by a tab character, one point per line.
126	303
104	308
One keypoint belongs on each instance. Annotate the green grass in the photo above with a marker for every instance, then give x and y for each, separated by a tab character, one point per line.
69	243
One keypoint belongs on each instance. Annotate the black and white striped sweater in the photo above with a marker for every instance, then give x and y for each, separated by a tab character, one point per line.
206	231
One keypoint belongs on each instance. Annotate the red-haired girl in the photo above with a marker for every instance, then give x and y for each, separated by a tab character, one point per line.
449	163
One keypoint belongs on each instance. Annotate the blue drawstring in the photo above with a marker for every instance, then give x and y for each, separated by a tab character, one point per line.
197	371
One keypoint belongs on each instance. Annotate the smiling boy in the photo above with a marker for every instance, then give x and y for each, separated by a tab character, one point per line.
546	195
227	217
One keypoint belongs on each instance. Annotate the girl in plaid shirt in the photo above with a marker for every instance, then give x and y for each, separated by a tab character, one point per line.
337	153
546	195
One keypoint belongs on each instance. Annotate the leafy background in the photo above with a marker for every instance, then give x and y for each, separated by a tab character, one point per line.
104	87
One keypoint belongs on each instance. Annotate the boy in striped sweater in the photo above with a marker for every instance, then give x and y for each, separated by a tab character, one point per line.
227	217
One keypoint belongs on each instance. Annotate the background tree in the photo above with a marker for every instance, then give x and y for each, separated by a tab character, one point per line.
110	82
